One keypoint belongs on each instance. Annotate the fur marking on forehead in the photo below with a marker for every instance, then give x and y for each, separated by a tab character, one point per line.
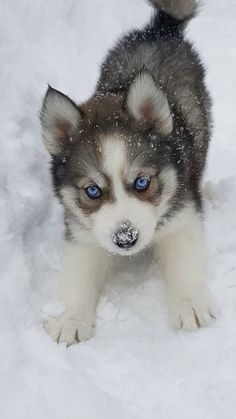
121	161
114	156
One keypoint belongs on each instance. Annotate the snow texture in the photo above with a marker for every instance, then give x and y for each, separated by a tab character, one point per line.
136	366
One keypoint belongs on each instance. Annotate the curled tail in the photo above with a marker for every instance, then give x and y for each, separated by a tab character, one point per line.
171	16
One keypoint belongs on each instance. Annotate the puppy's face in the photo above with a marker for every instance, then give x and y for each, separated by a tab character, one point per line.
112	163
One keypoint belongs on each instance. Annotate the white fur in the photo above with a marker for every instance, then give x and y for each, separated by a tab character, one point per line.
110	216
145	92
168	177
142	215
181	251
69	195
83	273
178	242
179	245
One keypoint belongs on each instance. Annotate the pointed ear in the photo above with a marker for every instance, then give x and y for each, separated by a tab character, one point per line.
59	118
147	102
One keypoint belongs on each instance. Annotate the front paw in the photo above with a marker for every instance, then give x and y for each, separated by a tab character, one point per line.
68	328
192	312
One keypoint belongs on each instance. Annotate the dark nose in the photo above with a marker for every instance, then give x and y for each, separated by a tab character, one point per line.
126	236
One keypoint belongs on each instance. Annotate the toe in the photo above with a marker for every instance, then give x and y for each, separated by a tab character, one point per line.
52	329
190	314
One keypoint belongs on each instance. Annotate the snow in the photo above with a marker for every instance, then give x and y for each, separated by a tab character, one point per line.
126	235
136	366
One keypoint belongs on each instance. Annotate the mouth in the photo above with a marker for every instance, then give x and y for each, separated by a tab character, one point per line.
124	251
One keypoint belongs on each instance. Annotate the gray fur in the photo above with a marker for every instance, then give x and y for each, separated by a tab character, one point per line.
160	50
176	66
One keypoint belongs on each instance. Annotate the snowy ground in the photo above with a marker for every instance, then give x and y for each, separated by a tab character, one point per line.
136	367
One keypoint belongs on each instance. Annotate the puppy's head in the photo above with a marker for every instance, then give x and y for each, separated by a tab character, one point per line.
113	162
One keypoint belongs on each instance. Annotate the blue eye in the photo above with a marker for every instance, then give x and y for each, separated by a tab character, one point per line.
141	183
93	192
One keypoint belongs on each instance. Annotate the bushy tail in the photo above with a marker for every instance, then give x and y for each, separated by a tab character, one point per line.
172	16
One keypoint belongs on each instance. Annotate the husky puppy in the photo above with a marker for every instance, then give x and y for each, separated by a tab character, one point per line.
127	166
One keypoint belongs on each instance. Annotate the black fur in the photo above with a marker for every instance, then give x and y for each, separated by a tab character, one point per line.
162	50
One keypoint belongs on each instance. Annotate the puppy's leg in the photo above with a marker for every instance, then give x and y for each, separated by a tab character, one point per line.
182	257
84	270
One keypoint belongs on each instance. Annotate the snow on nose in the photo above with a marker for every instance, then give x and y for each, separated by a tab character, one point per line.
126	236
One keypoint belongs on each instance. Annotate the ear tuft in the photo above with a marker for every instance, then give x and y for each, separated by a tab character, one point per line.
147	102
59	117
